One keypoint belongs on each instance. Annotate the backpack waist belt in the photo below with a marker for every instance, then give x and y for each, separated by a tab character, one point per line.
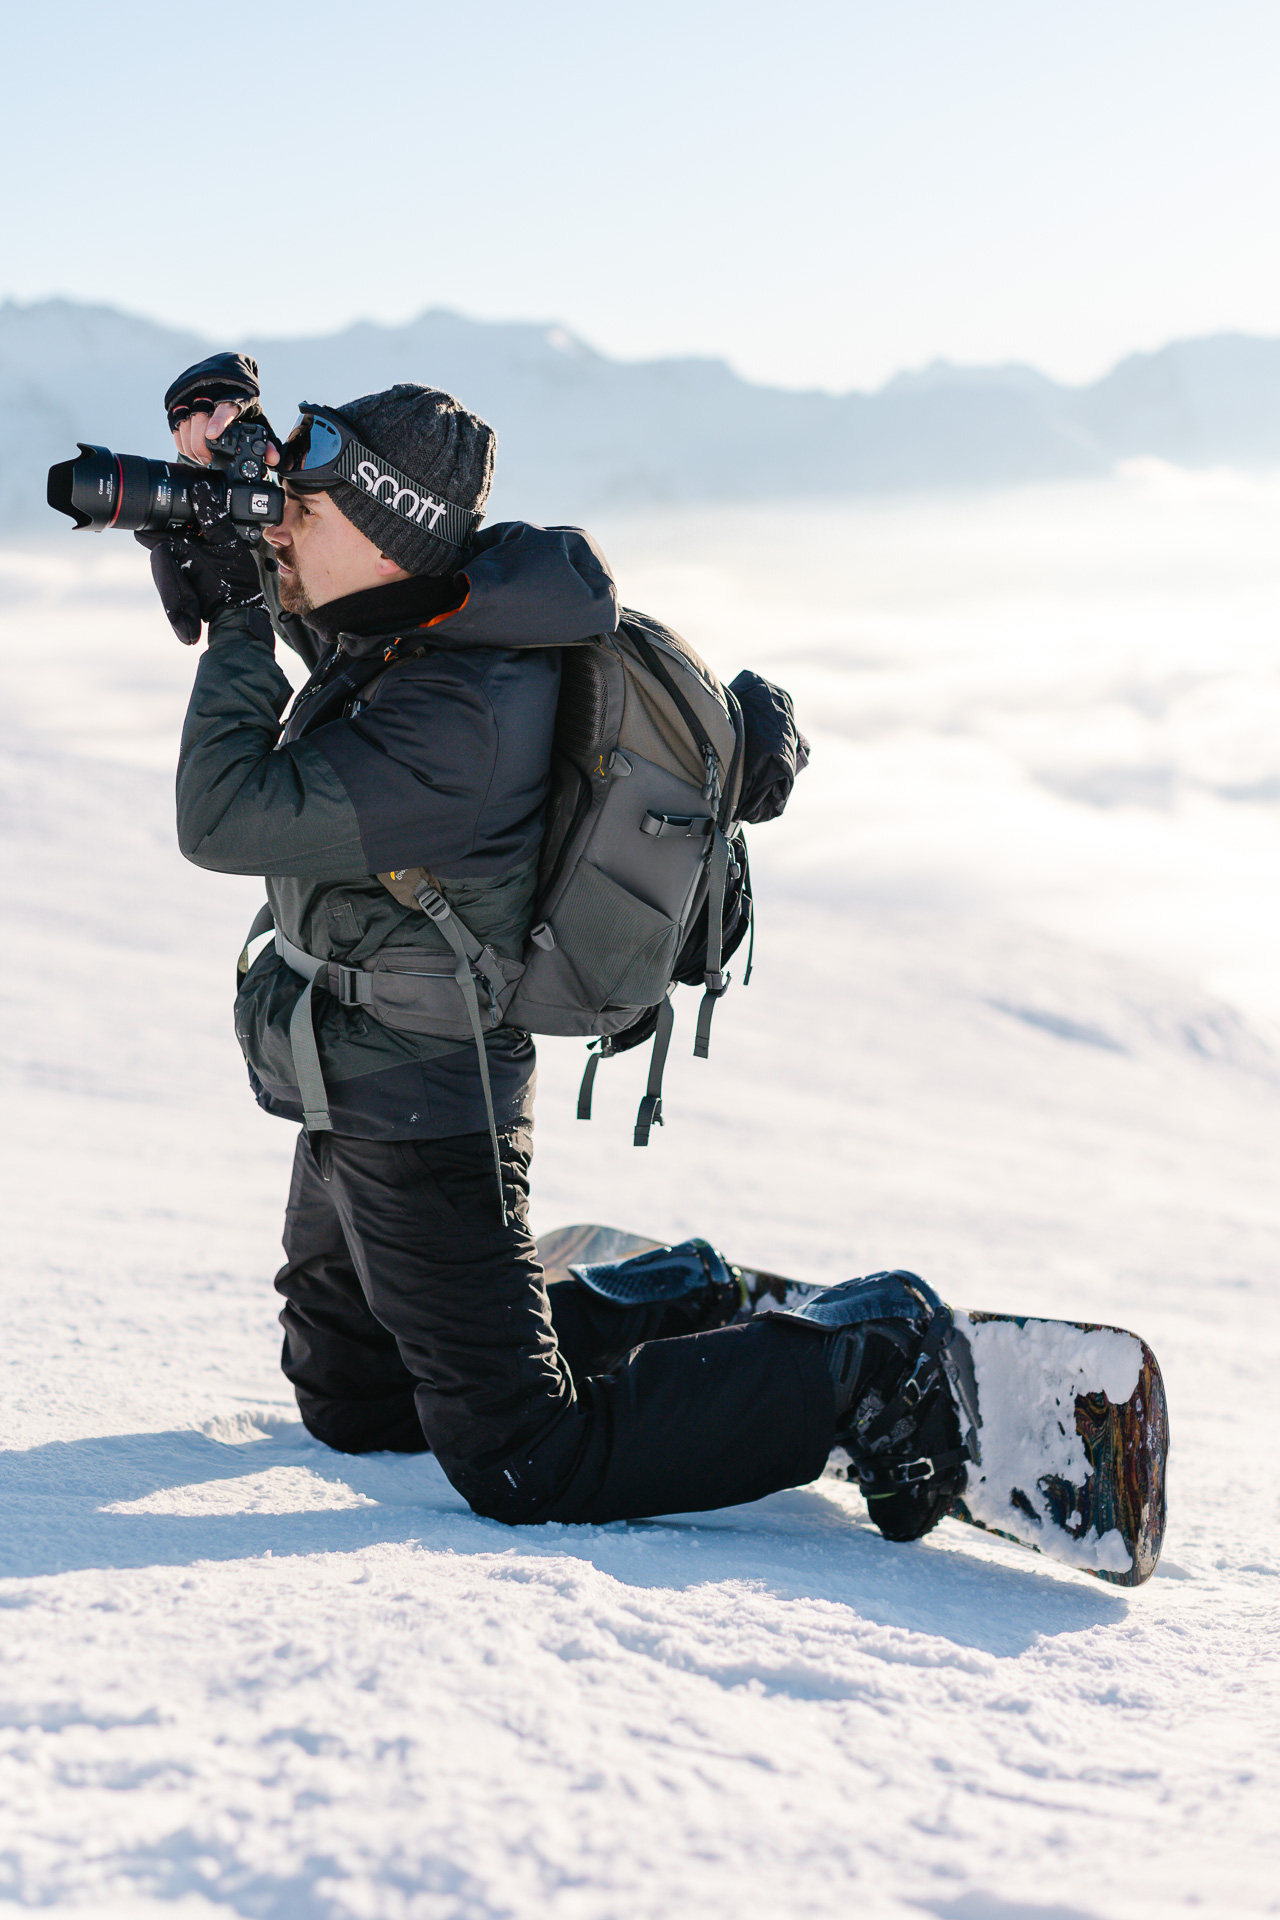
353	987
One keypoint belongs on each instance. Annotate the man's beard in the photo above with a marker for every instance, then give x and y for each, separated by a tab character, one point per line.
294	597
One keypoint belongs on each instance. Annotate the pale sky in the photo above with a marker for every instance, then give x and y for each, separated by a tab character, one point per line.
821	193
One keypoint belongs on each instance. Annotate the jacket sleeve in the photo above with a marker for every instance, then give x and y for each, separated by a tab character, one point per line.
243	805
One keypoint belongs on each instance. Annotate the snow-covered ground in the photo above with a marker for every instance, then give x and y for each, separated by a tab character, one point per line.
1014	1024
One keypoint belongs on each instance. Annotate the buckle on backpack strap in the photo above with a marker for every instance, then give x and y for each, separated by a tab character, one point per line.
346	990
685	826
650	1115
432	902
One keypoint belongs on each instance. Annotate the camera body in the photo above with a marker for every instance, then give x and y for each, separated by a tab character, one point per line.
103	489
254	496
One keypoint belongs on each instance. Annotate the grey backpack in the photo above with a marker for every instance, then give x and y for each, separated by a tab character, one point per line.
642	871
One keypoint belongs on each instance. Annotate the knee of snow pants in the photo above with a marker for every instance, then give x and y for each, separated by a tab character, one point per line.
707	1420
354	1392
681	1426
387	1424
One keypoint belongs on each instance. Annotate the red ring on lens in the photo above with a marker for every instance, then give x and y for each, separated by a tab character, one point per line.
120	502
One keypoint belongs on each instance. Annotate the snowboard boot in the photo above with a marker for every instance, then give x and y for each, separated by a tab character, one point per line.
897	1415
692	1279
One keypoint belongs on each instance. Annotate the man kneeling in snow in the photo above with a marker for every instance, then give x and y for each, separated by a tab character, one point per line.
416	1312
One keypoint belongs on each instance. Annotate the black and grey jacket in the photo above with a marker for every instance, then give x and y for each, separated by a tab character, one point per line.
422	739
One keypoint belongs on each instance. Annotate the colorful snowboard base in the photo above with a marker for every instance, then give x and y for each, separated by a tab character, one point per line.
1071	1429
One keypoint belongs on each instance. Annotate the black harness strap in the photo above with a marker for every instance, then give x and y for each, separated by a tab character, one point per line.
650	1113
594	1058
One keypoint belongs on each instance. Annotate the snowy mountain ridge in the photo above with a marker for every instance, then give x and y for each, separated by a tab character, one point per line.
580	433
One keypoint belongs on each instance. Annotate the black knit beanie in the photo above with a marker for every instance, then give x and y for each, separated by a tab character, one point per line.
432	439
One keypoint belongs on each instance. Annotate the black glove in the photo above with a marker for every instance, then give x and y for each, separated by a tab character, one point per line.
205	568
223	376
201	569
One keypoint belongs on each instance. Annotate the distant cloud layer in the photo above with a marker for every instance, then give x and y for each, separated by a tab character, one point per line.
580	433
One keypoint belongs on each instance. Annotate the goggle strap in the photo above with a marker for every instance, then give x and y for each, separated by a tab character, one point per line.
404	496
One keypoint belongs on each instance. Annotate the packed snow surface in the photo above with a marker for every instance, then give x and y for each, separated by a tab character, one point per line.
1028	1378
1012	1026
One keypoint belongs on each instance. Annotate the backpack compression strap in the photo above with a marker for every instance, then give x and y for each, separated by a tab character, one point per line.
651	1106
650	1112
715	980
470	957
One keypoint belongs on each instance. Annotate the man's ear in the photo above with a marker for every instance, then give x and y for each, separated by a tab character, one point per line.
388	570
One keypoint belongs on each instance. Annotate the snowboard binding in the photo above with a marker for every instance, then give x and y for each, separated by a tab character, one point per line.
691	1275
900	1396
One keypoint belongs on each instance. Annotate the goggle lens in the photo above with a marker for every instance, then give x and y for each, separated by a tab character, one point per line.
313	443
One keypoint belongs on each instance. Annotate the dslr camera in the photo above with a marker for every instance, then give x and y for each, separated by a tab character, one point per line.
104	489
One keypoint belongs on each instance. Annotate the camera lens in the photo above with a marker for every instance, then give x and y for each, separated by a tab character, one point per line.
105	489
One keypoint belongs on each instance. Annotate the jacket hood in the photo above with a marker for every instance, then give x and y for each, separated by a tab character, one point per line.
521	586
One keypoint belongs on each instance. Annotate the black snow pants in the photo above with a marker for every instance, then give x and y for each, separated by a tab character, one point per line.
415	1319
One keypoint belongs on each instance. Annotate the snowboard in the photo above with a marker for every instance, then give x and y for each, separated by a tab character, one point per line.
1066	1420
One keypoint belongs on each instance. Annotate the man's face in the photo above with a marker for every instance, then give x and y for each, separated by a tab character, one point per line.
321	556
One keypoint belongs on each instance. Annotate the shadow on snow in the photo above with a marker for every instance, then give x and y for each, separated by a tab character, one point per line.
62	1506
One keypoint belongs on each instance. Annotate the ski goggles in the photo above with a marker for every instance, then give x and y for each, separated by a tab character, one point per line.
322	448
